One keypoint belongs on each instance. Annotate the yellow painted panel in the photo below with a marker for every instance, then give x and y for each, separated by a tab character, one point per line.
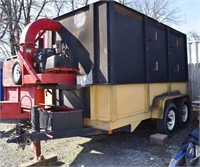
114	106
104	125
100	102
132	120
130	100
182	87
112	102
157	89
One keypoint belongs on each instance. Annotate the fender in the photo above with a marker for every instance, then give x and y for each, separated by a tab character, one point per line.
158	106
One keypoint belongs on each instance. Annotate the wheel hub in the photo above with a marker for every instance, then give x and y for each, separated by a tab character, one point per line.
17	71
184	113
171	119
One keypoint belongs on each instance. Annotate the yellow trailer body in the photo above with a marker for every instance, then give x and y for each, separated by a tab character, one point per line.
115	106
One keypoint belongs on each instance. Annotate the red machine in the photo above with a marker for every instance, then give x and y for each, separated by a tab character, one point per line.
35	68
21	78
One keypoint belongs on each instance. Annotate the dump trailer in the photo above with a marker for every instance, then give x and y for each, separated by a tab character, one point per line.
102	68
133	67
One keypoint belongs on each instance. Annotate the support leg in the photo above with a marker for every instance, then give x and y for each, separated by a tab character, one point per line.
39	159
37	150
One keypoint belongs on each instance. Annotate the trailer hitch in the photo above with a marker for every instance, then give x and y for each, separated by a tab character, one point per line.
20	137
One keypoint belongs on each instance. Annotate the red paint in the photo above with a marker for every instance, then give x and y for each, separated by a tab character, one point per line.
37	149
30	78
27	45
15	94
13	103
62	70
27	49
12	110
31	30
52	78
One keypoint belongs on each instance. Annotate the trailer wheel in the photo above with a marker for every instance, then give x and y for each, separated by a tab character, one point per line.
16	73
183	109
167	125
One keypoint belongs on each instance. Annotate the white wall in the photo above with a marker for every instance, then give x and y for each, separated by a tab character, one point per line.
193	49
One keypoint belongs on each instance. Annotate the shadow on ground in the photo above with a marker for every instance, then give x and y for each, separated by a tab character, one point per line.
131	149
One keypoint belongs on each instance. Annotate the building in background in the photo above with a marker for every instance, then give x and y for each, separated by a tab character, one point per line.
194	51
194	68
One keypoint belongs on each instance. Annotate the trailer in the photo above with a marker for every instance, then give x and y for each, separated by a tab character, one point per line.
99	69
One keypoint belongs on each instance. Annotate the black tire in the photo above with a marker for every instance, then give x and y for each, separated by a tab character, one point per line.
16	73
167	125
184	111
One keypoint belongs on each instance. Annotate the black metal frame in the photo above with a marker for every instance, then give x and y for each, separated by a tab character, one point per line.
112	68
83	132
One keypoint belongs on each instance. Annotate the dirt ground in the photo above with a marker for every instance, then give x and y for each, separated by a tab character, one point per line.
118	149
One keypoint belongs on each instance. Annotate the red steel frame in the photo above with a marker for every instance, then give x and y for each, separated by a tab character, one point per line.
30	78
27	49
16	104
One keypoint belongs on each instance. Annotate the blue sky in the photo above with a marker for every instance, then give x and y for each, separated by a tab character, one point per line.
190	15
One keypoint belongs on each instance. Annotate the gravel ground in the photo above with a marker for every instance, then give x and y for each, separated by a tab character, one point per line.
118	149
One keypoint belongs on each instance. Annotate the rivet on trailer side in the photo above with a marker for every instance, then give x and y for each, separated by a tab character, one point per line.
104	67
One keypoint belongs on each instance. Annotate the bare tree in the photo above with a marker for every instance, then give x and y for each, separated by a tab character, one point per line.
126	2
161	10
192	35
10	15
63	6
32	9
59	6
15	14
80	3
70	5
